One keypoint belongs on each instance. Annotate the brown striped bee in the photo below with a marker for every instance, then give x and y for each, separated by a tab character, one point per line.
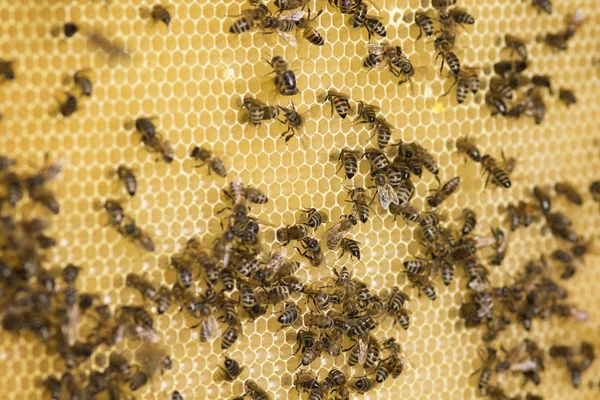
461	16
494	172
367	113
336	233
339	101
361	203
249	18
350	246
467	147
294	121
469	221
425	23
126	175
286	5
567	96
206	158
285	79
314	218
374	26
516	44
349	161
310	33
444	50
443	193
385	192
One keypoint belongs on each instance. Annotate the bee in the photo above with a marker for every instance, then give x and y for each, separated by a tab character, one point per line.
83	82
130	230
486	370
360	204
425	23
289	314
255	391
285	79
424	285
53	387
442	5
335	342
256	110
205	157
128	178
350	246
231	335
378	53
366	113
255	196
45	197
374	26
358	352
495	101
310	33
305	340
461	16
383	129
292	232
567	96
470	220
424	157
286	5
385	192
359	15
444	50
543	199
569	192
294	121
408	212
516	44
336	233
275	295
139	283
249	18
231	371
67	104
318	320
444	192
543	5
497	174
467	147
378	160
429	226
339	101
362	384
145	126
556	41
7	71
349	161
162	147
305	380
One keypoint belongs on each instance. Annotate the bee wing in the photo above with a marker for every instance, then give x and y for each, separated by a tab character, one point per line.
392	193
363	348
210	327
147	334
288	37
295	16
374	48
334	235
384	197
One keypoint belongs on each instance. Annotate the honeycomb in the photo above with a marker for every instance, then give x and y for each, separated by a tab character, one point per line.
193	75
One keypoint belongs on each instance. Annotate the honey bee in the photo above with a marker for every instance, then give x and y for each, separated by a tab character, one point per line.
259	111
425	23
567	96
231	371
67	104
494	172
293	232
141	284
362	384
312	251
467	147
205	157
289	314
374	26
425	157
336	233
556	41
294	121
231	335
442	5
305	380
339	101
349	161
286	5
383	129
162	147
146	127
255	196
310	33
500	246
424	284
249	18
367	114
45	197
115	212
7	71
543	199
360	204
350	246
130	230
83	81
53	387
128	178
444	192
359	15
255	391
543	5
461	16
516	44
285	79
569	192
408	212
444	51
378	160
318	320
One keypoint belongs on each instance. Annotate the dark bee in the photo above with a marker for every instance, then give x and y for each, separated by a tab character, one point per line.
383	129
360	204
569	192
259	111
176	395
139	283
543	199
467	147
292	232
349	160
350	246
248	18
7	71
444	192
305	380
146	128
444	51
339	101
461	16
359	15
45	197
162	147
543	5
161	14
255	196
163	300
496	102
139	379
318	320
556	41
82	80
314	218
500	246
128	178
70	273
285	5
516	44
213	163
115	212
469	221
542	81
231	335
567	96
310	33
428	224
374	26
130	230
366	113
255	391
378	160
336	233
442	5
497	174
231	371
289	314
294	121
425	24
285	79
67	104
53	387
312	251
362	384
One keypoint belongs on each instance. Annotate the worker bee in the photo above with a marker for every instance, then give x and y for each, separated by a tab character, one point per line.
543	5
83	81
305	380
444	192
349	161
420	266
285	79
231	335
259	111
359	15
130	230
7	71
366	113
362	384
249	18
311	251
350	246
67	104
556	41
423	156
360	204
374	26
310	33
255	391
467	147
380	53
336	233
158	13
286	5
205	157
516	44
385	192
494	172
314	218
128	178
383	129
289	314
445	52
461	16
162	147
292	232
495	101
339	101
231	371
424	284
569	192
425	23
318	320
378	160
43	196
141	284
567	96
294	121
543	199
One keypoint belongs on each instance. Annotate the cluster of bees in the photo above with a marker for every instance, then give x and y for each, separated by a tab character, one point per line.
45	300
577	359
559	40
